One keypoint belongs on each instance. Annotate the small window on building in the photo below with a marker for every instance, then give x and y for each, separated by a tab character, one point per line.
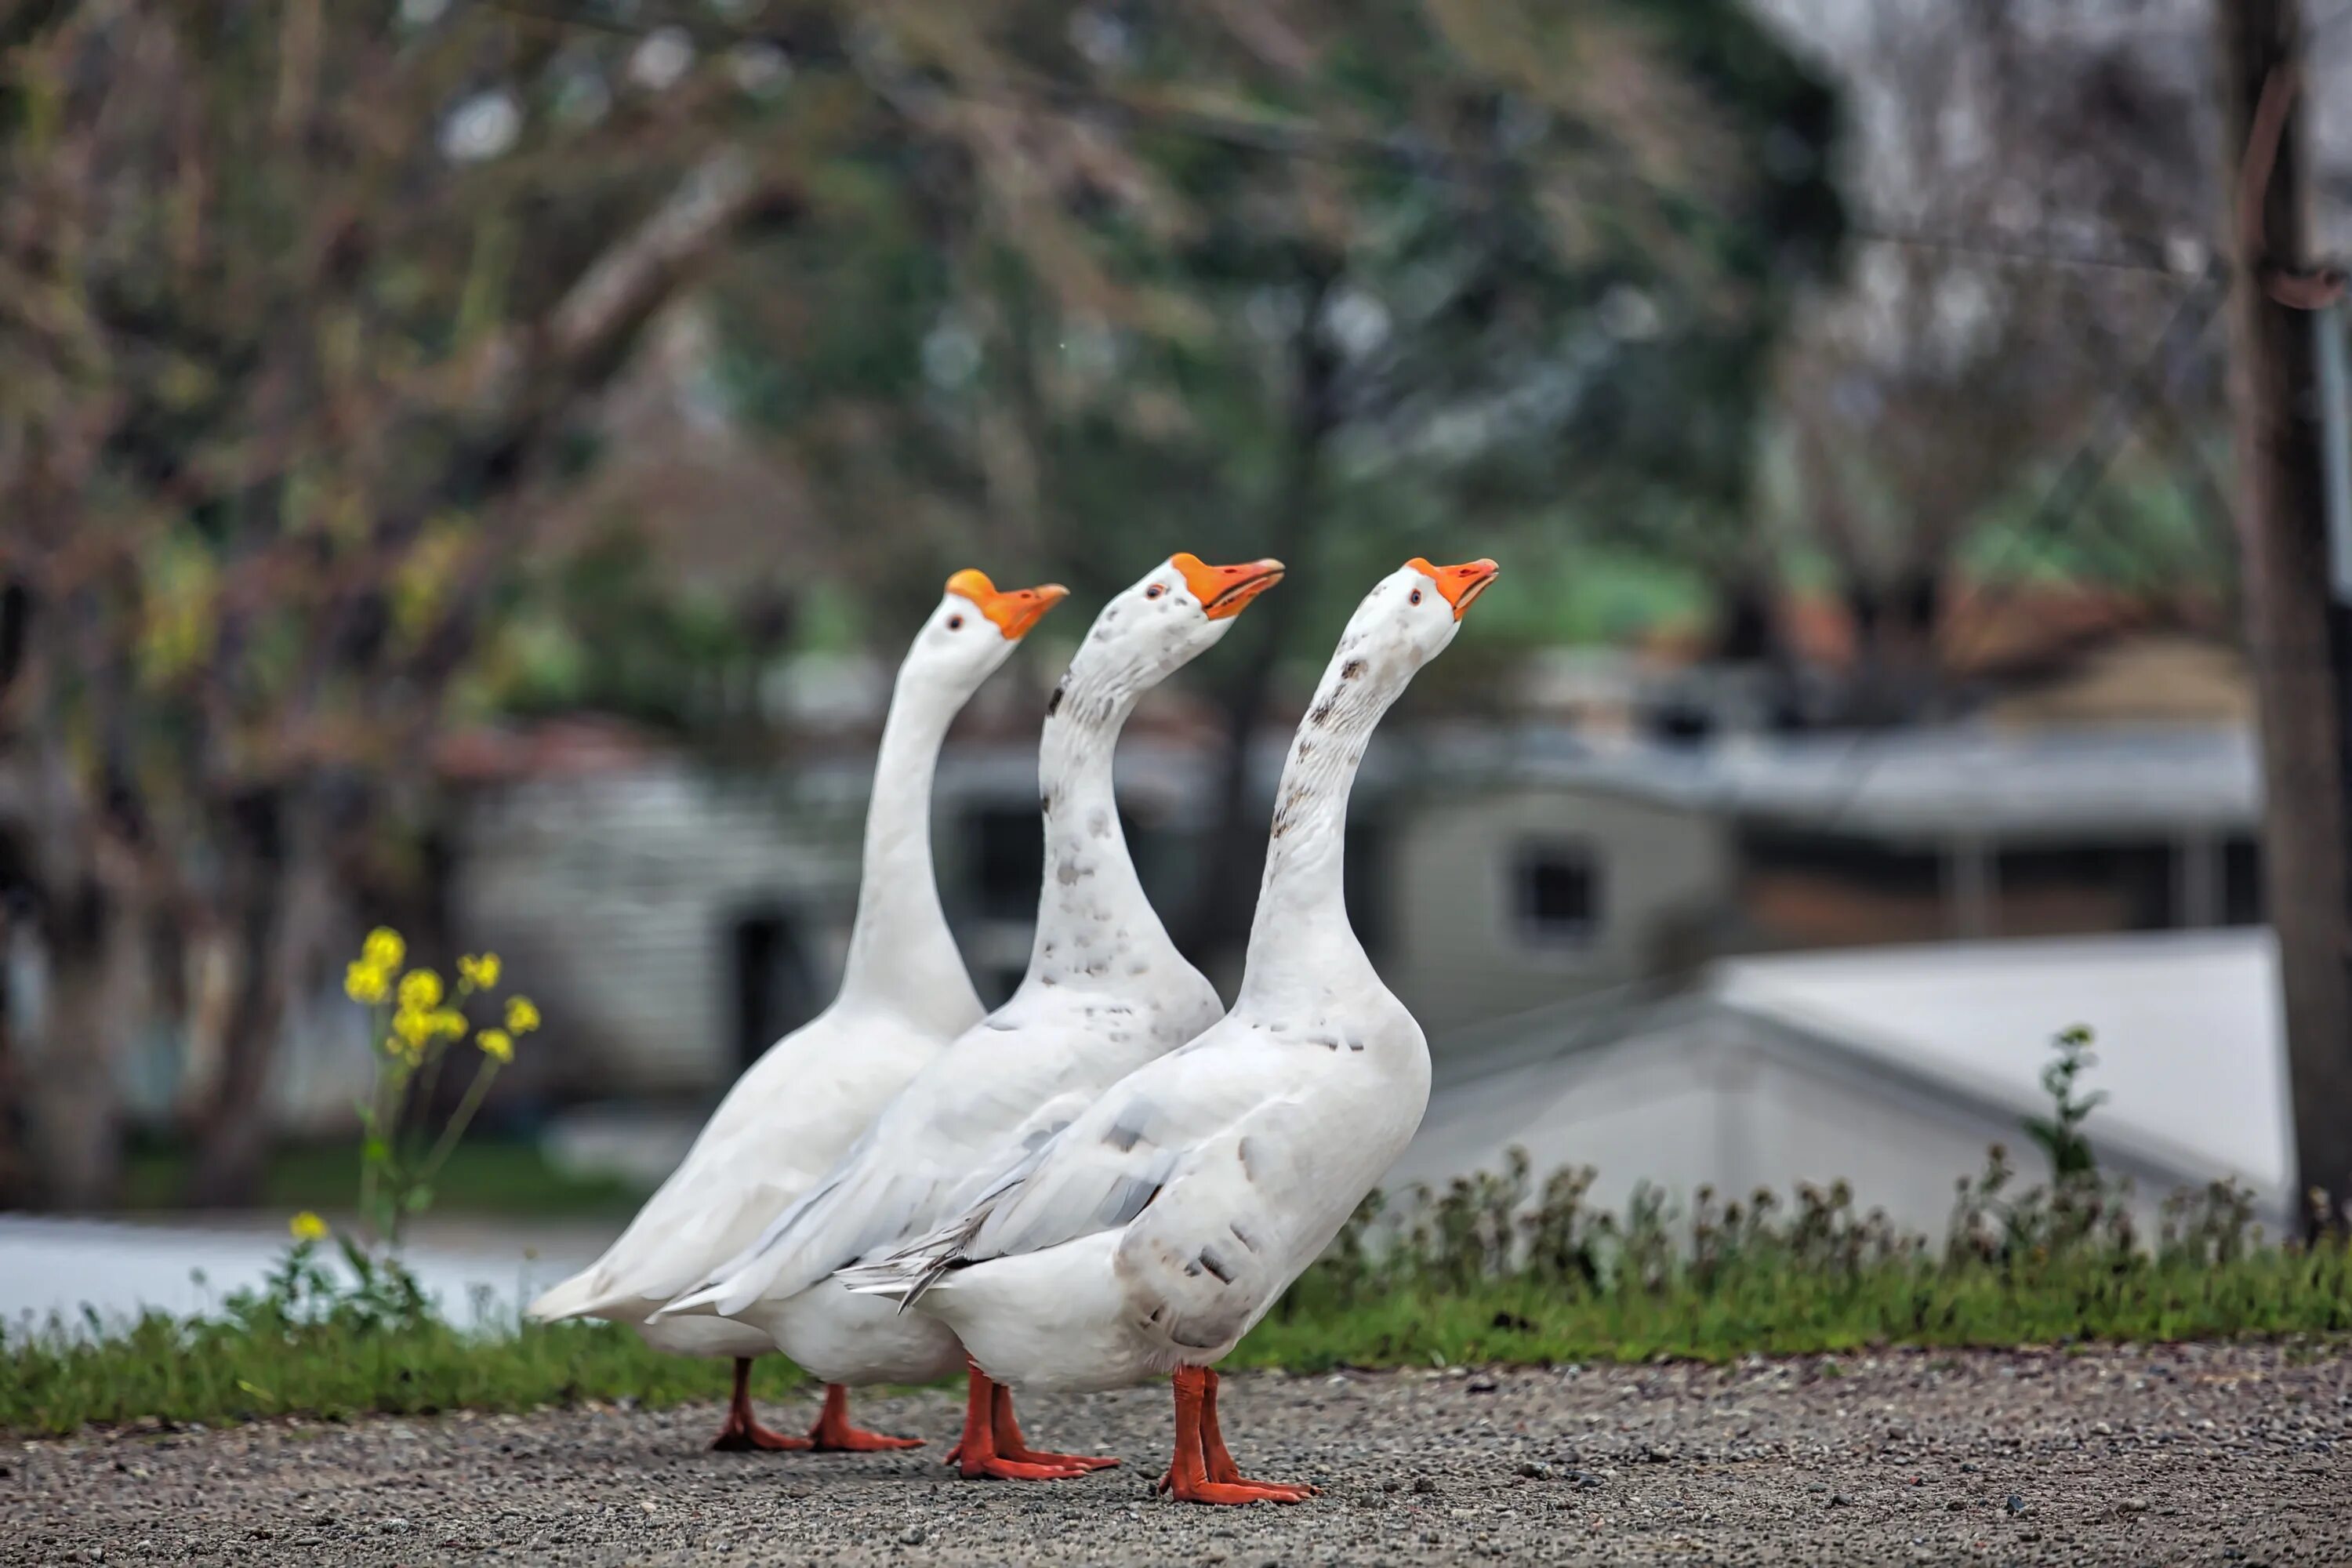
775	992
1555	888
1007	847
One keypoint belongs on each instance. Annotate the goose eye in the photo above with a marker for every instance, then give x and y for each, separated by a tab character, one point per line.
1416	596
955	623
1154	591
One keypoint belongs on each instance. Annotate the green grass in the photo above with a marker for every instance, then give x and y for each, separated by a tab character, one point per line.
1494	1269
218	1374
262	1367
1781	1311
481	1177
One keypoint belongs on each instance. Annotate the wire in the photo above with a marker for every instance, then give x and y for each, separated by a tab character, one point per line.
2000	248
2082	475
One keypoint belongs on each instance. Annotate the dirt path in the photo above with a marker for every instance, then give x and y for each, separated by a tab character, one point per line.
2173	1455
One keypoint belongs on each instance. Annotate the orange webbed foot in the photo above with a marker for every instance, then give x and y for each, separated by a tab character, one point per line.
745	1437
994	1467
855	1440
833	1434
1082	1463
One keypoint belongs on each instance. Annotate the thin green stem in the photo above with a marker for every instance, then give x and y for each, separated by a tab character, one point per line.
423	1092
378	1035
459	1119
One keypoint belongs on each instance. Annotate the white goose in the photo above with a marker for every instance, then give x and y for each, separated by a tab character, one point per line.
904	994
1158	1228
1106	991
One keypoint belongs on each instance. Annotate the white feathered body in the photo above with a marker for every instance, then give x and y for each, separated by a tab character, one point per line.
788	1120
1162	1224
1157	1228
904	995
1106	992
982	1106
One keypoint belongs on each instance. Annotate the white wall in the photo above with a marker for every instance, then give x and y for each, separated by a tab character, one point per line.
1718	1098
1458	953
612	900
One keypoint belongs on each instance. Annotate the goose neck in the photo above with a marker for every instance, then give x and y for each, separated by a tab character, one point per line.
1095	926
902	953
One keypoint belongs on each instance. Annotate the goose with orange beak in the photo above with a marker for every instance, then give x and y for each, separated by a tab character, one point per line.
1106	992
904	995
1154	1231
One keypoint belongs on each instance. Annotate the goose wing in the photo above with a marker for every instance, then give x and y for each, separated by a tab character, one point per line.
967	1115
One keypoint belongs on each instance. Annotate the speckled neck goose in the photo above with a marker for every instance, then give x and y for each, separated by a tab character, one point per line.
1106	991
1150	1234
904	994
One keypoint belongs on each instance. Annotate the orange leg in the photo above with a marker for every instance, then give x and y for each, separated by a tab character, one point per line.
833	1434
981	1455
1203	1469
741	1430
1012	1445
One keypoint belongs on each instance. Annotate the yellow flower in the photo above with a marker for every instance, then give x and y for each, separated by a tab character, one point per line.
307	1227
497	1045
414	1026
481	974
420	988
448	1021
522	1016
383	948
365	984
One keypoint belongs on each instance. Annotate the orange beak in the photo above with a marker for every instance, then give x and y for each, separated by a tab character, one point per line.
1460	584
1224	590
1015	610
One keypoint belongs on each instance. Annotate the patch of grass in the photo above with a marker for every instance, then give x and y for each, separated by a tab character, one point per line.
307	1341
481	1177
217	1374
1764	1310
1476	1276
1490	1270
223	1371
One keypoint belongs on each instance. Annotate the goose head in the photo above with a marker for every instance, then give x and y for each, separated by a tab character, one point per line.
1405	621
1173	613
975	629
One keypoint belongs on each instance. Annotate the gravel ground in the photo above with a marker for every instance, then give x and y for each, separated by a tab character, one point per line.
2175	1454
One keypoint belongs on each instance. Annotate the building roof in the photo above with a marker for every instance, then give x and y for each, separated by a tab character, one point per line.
2190	1038
1918	782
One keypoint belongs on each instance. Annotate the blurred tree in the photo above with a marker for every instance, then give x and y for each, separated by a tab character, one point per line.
1339	285
297	300
307	308
1920	400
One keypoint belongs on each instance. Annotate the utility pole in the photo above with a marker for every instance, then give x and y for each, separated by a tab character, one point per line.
2298	628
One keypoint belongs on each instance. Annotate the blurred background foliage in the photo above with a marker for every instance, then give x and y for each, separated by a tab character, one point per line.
327	326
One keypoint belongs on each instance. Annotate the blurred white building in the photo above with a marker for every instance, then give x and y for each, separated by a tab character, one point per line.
679	918
1894	1068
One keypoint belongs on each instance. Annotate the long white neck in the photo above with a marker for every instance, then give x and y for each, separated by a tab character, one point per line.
901	954
1301	934
1095	927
